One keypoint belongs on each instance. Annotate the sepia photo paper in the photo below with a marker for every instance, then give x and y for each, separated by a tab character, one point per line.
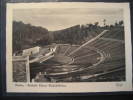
68	47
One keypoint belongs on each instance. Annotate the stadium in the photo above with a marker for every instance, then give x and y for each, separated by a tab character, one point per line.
99	59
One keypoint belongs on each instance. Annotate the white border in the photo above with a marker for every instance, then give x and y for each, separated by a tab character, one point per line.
68	87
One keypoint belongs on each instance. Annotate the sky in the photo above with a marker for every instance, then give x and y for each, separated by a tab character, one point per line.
56	19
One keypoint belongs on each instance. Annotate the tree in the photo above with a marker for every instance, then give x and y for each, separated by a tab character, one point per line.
121	23
104	22
116	24
96	24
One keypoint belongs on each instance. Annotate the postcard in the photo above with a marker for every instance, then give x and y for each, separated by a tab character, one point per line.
68	47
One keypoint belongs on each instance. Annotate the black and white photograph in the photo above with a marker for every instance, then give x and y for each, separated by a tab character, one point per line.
68	44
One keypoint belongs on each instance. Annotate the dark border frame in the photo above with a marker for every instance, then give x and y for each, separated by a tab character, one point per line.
3	49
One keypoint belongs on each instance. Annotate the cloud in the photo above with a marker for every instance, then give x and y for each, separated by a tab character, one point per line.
55	19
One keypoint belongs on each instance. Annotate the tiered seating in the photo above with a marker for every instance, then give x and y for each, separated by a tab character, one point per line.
82	52
114	54
104	67
70	49
59	69
114	75
108	47
115	34
62	48
89	58
99	56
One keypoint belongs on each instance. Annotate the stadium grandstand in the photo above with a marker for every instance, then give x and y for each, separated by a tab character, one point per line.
100	59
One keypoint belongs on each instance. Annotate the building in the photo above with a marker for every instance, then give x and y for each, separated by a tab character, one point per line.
31	51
